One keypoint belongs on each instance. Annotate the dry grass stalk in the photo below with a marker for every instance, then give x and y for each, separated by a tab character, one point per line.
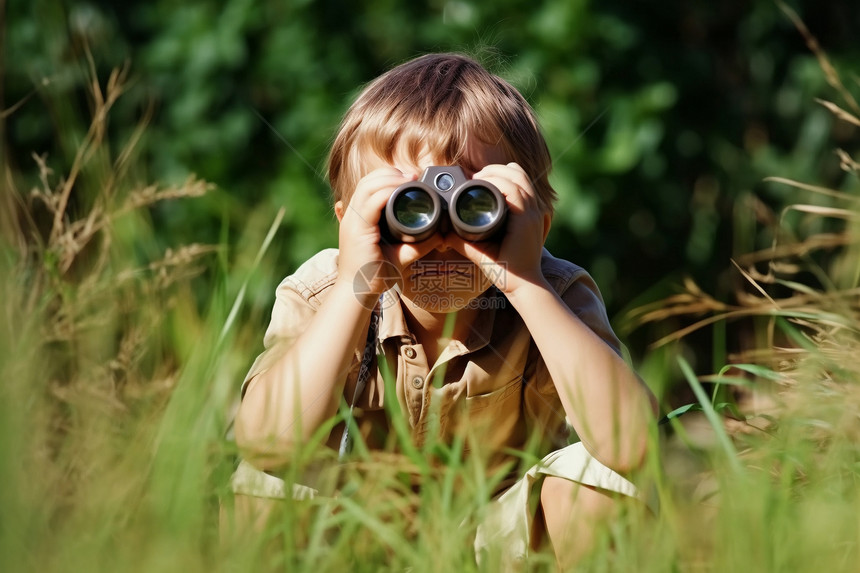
830	72
804	292
89	304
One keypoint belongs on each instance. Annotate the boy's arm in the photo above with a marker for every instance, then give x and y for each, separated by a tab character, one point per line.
606	402
294	395
286	403
609	406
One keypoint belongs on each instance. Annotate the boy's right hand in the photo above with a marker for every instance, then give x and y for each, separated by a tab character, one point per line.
363	254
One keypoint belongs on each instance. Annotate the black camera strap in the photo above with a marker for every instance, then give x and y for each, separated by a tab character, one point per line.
363	374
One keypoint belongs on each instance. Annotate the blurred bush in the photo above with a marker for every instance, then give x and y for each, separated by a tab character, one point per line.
660	116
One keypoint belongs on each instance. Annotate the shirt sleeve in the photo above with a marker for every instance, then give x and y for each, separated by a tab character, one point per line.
290	316
297	299
582	296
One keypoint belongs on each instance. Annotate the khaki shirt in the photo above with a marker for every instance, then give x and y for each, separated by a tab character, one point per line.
492	388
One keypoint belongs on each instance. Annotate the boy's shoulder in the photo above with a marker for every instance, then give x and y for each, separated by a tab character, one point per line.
580	292
562	273
313	277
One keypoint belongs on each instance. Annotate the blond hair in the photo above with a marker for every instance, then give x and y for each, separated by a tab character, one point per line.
436	102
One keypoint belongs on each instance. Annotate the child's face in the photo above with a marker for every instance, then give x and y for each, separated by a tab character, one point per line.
443	280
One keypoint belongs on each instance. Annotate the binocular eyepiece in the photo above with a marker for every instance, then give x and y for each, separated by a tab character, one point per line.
476	208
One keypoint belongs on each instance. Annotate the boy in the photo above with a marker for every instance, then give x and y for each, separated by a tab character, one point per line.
531	349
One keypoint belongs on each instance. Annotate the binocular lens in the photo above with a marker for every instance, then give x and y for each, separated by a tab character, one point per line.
444	200
413	208
477	206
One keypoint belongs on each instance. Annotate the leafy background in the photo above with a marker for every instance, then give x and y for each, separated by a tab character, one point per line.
162	170
663	119
660	115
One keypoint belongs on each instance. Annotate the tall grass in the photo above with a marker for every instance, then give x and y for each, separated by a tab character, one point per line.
93	377
117	387
779	484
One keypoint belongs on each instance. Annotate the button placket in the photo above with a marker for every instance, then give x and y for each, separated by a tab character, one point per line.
411	378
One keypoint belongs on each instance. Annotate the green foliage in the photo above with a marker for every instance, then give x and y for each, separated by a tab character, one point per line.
658	117
132	310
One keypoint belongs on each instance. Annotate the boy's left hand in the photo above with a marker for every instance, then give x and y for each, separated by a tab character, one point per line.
514	260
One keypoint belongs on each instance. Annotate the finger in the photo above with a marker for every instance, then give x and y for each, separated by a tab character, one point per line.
485	256
512	172
404	254
513	183
367	211
372	193
378	180
479	253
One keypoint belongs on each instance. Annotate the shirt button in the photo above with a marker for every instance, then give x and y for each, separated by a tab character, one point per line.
409	352
417	382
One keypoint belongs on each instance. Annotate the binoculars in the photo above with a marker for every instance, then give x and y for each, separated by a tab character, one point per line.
476	209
